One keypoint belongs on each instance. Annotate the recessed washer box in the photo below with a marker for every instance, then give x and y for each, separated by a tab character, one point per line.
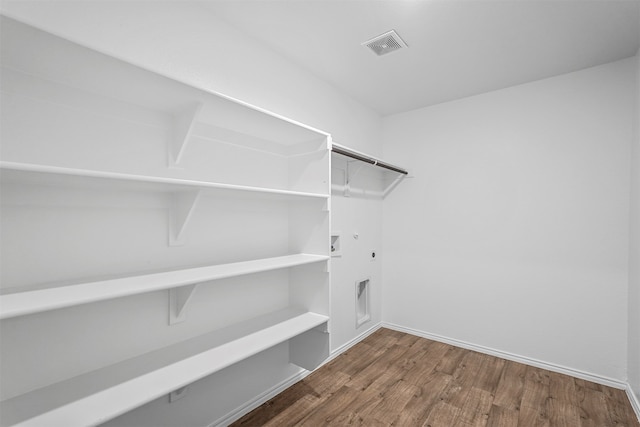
363	314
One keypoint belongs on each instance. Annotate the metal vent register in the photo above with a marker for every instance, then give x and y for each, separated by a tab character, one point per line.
385	43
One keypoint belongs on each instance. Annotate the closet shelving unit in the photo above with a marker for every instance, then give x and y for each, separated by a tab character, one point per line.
81	129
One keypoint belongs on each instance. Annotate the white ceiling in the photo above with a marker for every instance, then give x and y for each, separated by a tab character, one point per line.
457	48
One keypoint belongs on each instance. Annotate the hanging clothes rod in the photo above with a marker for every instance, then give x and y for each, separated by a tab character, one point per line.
339	149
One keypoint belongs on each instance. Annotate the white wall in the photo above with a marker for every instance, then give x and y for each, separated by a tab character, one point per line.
513	235
358	219
634	251
188	43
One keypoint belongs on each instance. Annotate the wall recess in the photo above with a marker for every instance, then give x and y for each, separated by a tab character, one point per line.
336	244
363	314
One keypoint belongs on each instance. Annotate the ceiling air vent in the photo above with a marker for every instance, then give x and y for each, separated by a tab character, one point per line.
385	43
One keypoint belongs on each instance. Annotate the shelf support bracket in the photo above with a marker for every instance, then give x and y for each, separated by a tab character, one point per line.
350	175
179	298
183	204
393	185
324	328
183	125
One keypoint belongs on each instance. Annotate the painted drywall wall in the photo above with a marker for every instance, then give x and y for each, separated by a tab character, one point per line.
516	238
633	370
357	219
186	42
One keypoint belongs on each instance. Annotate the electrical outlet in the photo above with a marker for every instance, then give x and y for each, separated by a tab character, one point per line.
373	256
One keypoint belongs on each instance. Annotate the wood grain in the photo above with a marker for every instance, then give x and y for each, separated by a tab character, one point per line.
397	379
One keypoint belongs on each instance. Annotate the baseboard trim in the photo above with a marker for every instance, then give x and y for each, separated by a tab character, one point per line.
635	403
513	357
279	388
344	347
258	400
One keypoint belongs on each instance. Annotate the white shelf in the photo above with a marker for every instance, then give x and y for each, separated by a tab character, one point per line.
99	396
98	150
29	302
185	193
14	172
101	75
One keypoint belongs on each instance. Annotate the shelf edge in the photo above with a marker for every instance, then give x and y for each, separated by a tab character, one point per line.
117	288
153	180
116	400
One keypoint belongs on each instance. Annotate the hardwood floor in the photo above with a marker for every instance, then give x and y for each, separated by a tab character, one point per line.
396	379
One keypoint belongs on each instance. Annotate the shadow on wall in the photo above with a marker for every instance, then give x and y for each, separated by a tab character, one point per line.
353	178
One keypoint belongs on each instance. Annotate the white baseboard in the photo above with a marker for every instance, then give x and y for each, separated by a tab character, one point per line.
513	357
344	347
282	386
633	398
258	400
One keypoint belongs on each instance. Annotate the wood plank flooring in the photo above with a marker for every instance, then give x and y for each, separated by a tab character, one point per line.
395	379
